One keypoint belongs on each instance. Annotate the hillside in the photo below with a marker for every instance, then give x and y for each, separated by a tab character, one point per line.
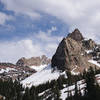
74	54
73	73
42	77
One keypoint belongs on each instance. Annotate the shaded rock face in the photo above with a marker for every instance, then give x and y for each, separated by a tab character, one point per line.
33	61
71	53
89	44
59	59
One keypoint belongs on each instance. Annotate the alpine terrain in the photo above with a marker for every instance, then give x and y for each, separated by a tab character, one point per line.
73	73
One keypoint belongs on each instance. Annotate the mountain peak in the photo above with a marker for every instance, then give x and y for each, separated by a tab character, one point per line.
76	35
71	53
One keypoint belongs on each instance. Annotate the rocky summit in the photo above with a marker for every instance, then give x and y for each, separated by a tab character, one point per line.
33	61
74	53
76	35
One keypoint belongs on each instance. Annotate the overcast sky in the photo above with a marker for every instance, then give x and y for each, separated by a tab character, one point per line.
35	27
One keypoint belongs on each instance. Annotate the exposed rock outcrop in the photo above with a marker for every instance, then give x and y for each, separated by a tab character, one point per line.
89	44
6	64
71	53
33	61
76	35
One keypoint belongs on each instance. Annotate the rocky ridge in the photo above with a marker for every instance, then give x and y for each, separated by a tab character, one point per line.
22	69
33	61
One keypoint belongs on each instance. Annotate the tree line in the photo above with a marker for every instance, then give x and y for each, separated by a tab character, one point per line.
13	90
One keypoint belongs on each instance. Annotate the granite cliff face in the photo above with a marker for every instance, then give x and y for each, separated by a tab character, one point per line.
33	61
72	54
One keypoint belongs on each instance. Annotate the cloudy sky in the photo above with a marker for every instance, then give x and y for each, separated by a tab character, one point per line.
35	27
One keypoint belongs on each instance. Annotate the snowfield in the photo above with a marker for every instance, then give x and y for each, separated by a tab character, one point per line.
38	68
41	77
46	75
64	92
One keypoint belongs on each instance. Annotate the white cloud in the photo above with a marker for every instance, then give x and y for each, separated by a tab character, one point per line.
21	7
48	42
4	18
82	14
36	45
47	36
12	51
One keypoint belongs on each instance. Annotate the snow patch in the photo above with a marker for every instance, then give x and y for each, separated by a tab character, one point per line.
88	51
73	72
6	70
94	62
38	68
80	85
41	77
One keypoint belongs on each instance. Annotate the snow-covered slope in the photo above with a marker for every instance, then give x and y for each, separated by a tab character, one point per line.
41	77
80	85
38	68
6	70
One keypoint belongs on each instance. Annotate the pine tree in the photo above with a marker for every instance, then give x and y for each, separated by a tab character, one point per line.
27	95
77	94
56	92
90	84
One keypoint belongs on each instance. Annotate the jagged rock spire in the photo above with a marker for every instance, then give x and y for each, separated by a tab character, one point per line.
76	35
71	53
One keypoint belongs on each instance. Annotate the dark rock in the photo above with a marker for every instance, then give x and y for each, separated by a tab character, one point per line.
59	59
89	44
76	35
